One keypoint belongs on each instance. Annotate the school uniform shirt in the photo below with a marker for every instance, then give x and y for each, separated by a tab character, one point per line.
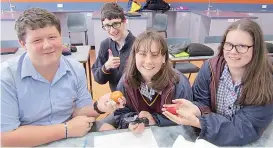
27	98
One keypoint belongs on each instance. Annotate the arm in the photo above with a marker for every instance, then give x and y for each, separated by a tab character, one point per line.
83	103
101	75
201	89
36	135
11	130
246	126
125	112
182	90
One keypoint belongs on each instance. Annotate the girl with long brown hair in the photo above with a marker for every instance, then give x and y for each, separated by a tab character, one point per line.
148	83
233	92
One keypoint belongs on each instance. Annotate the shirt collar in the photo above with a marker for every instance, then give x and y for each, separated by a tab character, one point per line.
227	76
29	70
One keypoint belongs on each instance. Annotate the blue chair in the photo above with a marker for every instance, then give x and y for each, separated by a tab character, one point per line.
213	39
160	23
10	44
76	23
183	67
268	37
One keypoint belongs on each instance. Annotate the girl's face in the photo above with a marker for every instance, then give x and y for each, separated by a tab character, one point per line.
238	48
149	62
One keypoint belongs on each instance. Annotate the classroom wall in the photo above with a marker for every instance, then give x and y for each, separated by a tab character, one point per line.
95	5
169	1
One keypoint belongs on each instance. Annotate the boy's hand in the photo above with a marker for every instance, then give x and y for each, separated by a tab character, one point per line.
113	62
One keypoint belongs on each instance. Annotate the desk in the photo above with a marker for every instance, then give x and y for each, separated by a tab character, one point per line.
165	137
213	46
82	55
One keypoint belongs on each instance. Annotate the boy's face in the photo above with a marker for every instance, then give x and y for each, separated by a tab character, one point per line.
44	45
115	28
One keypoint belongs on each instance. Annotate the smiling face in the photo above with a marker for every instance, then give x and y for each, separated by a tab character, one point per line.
232	57
44	45
115	28
149	61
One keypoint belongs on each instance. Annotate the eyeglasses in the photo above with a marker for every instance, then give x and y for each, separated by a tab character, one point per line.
239	48
115	25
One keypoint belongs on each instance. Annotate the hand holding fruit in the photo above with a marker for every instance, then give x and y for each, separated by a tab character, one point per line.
182	112
111	101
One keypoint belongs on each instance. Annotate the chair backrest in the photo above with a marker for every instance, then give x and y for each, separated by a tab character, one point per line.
10	44
213	39
76	22
268	37
161	21
173	41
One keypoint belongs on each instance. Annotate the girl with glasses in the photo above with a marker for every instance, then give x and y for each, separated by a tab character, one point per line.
233	92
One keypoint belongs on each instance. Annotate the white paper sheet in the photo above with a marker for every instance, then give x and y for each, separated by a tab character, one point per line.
126	140
180	142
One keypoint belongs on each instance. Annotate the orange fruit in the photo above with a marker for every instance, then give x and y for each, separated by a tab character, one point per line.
115	95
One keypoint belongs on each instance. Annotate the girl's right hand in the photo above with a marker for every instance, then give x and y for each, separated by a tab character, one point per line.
137	128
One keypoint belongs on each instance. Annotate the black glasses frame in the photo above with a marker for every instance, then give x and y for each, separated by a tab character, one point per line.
236	47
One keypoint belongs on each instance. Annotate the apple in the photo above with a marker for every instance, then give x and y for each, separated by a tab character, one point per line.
172	110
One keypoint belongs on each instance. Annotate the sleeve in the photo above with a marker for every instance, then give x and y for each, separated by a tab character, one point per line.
84	98
201	89
246	126
101	75
183	88
161	120
9	103
121	114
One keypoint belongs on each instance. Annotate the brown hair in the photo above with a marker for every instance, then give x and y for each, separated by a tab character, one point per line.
112	11
257	83
165	74
35	18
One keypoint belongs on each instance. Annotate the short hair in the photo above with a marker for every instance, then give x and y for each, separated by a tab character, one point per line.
112	11
35	18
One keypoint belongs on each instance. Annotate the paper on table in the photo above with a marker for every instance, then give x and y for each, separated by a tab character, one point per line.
126	140
199	143
180	142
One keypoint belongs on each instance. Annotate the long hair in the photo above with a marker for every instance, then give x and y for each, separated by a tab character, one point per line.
257	82
164	75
